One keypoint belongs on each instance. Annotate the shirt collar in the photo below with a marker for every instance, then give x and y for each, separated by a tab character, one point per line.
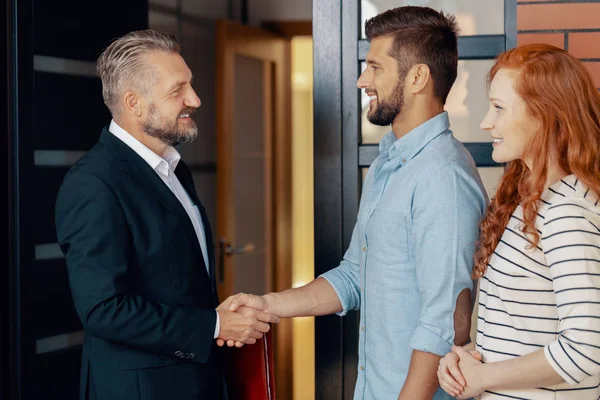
163	164
414	141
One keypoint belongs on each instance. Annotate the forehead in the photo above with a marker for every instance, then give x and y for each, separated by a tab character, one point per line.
503	83
380	49
169	67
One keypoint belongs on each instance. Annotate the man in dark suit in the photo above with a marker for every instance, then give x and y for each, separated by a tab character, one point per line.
137	241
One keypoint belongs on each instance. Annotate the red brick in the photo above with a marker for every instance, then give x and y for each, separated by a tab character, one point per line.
594	68
555	39
585	45
558	16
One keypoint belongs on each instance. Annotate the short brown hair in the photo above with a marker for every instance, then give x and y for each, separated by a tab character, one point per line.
421	36
122	66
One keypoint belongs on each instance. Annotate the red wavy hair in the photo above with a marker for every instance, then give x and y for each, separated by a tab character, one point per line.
558	93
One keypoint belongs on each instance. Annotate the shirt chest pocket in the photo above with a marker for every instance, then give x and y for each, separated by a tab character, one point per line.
387	237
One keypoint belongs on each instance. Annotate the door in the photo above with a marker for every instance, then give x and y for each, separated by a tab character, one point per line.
254	172
345	145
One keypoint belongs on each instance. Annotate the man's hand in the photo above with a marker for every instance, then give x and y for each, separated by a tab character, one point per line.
244	327
242	324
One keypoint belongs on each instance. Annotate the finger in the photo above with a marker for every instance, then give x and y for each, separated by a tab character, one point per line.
460	352
445	376
230	343
476	355
266	317
220	342
255	334
250	341
261	327
238	344
237	302
447	388
456	377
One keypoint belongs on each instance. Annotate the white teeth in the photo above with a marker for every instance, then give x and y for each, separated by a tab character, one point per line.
372	97
498	140
184	115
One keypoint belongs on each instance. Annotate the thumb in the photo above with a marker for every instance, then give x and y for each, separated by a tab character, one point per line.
459	351
235	305
476	355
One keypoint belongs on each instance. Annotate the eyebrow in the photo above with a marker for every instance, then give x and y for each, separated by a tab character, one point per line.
496	99
371	61
179	84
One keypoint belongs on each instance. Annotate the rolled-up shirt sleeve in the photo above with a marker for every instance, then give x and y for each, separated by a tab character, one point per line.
448	205
345	278
571	244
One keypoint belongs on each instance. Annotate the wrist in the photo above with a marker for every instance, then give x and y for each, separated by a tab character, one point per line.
487	377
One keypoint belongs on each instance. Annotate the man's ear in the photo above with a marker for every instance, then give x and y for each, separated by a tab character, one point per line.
420	76
133	104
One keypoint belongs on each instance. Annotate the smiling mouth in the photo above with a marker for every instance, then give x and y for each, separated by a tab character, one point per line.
497	141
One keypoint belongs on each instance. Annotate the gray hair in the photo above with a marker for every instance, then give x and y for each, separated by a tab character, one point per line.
122	67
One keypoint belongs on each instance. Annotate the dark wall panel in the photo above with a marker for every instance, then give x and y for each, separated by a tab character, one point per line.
53	309
69	111
47	181
58	375
80	30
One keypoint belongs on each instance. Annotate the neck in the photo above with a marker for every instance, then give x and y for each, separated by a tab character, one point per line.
413	116
132	127
554	175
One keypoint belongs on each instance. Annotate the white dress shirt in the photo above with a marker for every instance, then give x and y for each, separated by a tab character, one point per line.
165	169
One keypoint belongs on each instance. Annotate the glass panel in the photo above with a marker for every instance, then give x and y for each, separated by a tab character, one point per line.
251	186
475	17
466	105
490	176
467	102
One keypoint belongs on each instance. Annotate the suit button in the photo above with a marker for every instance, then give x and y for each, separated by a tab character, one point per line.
192	356
178	353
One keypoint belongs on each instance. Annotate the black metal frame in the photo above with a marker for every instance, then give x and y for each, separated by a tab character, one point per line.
19	342
339	156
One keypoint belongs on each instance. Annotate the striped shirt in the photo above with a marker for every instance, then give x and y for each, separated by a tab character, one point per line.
547	297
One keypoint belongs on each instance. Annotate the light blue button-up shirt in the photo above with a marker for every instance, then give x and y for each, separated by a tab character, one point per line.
411	253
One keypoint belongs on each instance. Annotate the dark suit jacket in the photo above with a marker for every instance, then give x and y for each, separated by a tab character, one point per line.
138	279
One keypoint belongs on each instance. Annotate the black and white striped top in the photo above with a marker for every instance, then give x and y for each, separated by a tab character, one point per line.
549	296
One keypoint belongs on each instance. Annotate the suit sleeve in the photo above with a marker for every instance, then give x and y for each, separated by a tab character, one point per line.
94	236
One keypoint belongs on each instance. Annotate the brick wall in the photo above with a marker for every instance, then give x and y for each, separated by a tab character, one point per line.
573	25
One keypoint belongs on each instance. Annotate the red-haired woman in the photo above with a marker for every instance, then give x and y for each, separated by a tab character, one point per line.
538	260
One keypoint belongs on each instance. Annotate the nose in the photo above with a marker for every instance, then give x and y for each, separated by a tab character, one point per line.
363	81
192	100
488	121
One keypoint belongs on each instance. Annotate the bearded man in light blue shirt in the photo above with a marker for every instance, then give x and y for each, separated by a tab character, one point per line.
409	261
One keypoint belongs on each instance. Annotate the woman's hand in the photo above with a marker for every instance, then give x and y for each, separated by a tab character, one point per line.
449	373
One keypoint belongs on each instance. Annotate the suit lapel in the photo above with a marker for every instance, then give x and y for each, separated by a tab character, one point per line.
152	184
185	177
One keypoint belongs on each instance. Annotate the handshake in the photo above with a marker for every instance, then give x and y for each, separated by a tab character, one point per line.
245	318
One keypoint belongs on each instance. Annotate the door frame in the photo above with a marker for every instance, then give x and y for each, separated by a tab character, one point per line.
233	38
339	157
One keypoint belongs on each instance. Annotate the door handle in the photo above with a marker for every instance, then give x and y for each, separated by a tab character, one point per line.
226	248
232	250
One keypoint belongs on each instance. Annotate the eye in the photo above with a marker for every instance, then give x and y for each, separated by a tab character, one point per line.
498	108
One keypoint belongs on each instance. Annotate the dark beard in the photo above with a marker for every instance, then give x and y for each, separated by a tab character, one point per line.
169	132
387	110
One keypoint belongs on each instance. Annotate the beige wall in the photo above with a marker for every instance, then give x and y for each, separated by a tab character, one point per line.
302	212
